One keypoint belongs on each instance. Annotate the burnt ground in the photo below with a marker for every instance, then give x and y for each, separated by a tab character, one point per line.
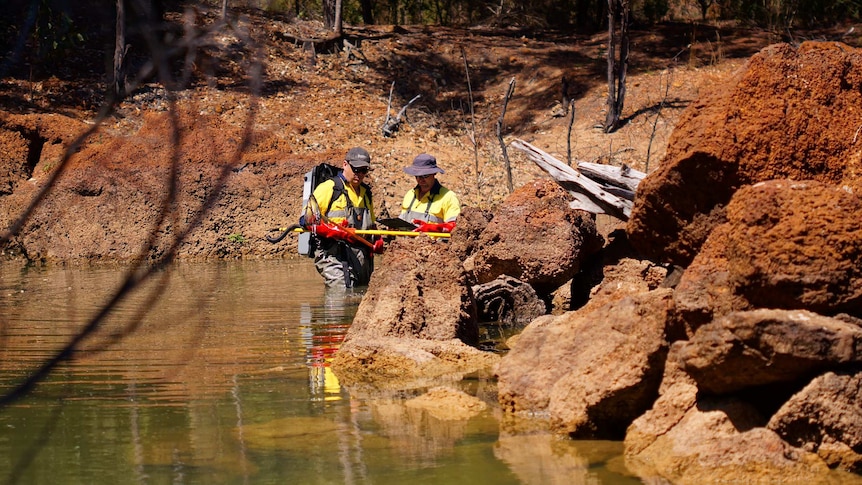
314	105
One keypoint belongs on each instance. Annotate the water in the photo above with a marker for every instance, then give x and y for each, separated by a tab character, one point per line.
226	380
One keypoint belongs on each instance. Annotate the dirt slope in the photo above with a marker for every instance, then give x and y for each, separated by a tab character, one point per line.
313	108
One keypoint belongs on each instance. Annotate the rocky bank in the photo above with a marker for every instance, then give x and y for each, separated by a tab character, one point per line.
724	339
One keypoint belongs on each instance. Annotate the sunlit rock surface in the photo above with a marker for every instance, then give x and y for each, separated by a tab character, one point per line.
787	114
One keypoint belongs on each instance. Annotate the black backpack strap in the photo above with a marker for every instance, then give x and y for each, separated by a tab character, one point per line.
367	196
337	191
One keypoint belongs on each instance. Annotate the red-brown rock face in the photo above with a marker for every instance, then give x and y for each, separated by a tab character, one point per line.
536	238
792	113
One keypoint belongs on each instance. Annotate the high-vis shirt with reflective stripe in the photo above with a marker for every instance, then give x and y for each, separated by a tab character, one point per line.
360	216
438	205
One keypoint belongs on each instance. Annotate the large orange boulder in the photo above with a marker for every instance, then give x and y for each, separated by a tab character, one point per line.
792	113
537	238
786	244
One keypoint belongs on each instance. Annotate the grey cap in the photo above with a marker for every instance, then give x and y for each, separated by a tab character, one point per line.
423	164
358	157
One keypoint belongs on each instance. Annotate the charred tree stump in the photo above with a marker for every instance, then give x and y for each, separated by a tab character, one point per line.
391	125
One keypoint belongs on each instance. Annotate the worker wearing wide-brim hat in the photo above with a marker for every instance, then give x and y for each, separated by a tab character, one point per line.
429	205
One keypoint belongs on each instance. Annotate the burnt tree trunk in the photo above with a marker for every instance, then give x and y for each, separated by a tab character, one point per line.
618	15
118	86
338	27
367	12
329	14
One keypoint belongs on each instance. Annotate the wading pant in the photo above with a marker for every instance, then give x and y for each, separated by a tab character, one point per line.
344	265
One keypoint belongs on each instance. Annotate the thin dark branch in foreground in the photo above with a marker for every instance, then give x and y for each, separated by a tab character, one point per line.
139	271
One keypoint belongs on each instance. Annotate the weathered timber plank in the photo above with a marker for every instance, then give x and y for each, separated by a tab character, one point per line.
625	176
579	185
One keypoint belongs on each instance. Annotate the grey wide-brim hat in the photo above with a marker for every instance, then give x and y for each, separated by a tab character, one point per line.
423	164
358	157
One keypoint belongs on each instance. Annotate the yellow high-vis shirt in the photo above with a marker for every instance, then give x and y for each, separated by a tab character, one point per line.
359	211
438	205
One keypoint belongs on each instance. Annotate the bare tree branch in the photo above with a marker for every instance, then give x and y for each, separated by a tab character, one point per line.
139	271
509	93
391	125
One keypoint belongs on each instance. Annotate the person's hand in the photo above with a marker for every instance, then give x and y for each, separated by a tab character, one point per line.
378	247
433	226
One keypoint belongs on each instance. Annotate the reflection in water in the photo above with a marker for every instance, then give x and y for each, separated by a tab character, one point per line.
226	380
322	334
541	458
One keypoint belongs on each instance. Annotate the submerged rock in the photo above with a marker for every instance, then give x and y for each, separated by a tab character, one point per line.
448	404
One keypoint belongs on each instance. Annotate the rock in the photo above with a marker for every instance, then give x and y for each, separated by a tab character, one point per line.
783	116
448	404
688	437
796	244
677	394
718	441
420	291
416	320
536	238
592	372
465	237
704	290
759	347
826	417
627	277
785	244
407	363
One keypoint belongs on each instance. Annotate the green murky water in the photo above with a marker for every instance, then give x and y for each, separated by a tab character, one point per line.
225	380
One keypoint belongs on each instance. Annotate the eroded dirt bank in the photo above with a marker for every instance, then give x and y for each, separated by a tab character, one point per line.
110	195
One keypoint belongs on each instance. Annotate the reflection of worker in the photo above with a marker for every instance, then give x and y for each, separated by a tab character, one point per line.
342	257
431	206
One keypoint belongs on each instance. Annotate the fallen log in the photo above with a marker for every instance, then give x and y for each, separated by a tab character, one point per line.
624	177
600	189
330	44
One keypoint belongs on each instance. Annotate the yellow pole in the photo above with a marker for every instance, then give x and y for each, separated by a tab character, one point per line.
385	232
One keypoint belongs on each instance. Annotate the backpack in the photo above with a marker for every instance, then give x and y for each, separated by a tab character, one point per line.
309	242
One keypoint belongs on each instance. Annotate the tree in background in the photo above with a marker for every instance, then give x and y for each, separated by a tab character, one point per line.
118	86
704	7
618	16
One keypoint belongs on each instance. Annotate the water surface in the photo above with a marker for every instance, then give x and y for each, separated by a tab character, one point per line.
225	379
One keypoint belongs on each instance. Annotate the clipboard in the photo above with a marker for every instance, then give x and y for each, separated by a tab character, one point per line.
396	223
